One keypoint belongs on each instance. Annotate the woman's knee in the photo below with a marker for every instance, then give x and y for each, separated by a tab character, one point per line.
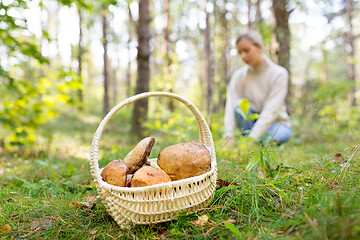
279	133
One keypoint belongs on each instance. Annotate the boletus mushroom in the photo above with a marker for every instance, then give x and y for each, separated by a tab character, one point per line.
147	176
115	173
185	160
137	157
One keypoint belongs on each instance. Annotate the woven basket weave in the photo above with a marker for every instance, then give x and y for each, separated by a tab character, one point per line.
161	202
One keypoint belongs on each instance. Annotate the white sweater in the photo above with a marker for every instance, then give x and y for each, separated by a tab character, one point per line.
266	87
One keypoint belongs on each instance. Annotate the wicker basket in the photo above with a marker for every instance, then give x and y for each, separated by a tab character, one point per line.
161	202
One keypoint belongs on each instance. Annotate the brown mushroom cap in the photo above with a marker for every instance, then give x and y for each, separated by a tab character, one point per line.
137	157
185	160
147	176
115	173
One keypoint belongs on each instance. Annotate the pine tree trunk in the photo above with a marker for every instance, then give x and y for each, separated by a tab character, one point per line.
143	69
258	17
282	32
281	38
350	50
259	21
324	75
106	60
208	65
224	59
80	91
128	71
116	73
250	23
167	57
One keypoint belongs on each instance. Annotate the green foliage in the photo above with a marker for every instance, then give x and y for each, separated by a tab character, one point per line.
27	104
23	109
233	229
42	187
244	106
266	32
30	93
334	109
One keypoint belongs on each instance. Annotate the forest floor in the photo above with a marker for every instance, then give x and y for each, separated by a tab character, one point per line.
309	189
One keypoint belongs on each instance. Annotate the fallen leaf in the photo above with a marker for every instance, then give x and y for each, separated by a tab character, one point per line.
92	198
201	220
222	183
89	202
5	228
92	234
229	221
337	158
76	204
87	205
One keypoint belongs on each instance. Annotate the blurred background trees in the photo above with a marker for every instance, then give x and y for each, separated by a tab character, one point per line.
64	56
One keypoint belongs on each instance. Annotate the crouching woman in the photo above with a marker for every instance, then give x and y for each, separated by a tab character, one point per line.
265	85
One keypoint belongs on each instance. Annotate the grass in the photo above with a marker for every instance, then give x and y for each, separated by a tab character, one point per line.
46	194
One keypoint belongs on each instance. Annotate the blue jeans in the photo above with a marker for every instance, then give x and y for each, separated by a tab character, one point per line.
277	132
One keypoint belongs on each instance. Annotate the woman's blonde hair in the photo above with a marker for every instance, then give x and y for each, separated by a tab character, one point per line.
254	36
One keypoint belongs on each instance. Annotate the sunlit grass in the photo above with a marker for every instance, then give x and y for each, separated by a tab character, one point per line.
307	197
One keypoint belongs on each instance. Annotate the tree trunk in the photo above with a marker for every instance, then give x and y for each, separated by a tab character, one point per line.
259	21
282	37
143	69
166	19
250	23
282	32
224	59
167	54
350	50
258	16
80	91
128	71
116	74
324	70
106	60
208	65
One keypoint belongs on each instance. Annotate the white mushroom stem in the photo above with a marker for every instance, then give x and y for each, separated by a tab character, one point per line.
129	177
148	161
153	163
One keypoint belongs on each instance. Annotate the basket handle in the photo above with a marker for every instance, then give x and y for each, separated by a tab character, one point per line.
204	130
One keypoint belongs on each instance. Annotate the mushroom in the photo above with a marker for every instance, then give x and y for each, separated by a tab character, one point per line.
137	157
152	163
128	179
184	160
147	176
115	173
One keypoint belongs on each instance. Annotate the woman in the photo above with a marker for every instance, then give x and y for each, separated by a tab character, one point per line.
264	84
